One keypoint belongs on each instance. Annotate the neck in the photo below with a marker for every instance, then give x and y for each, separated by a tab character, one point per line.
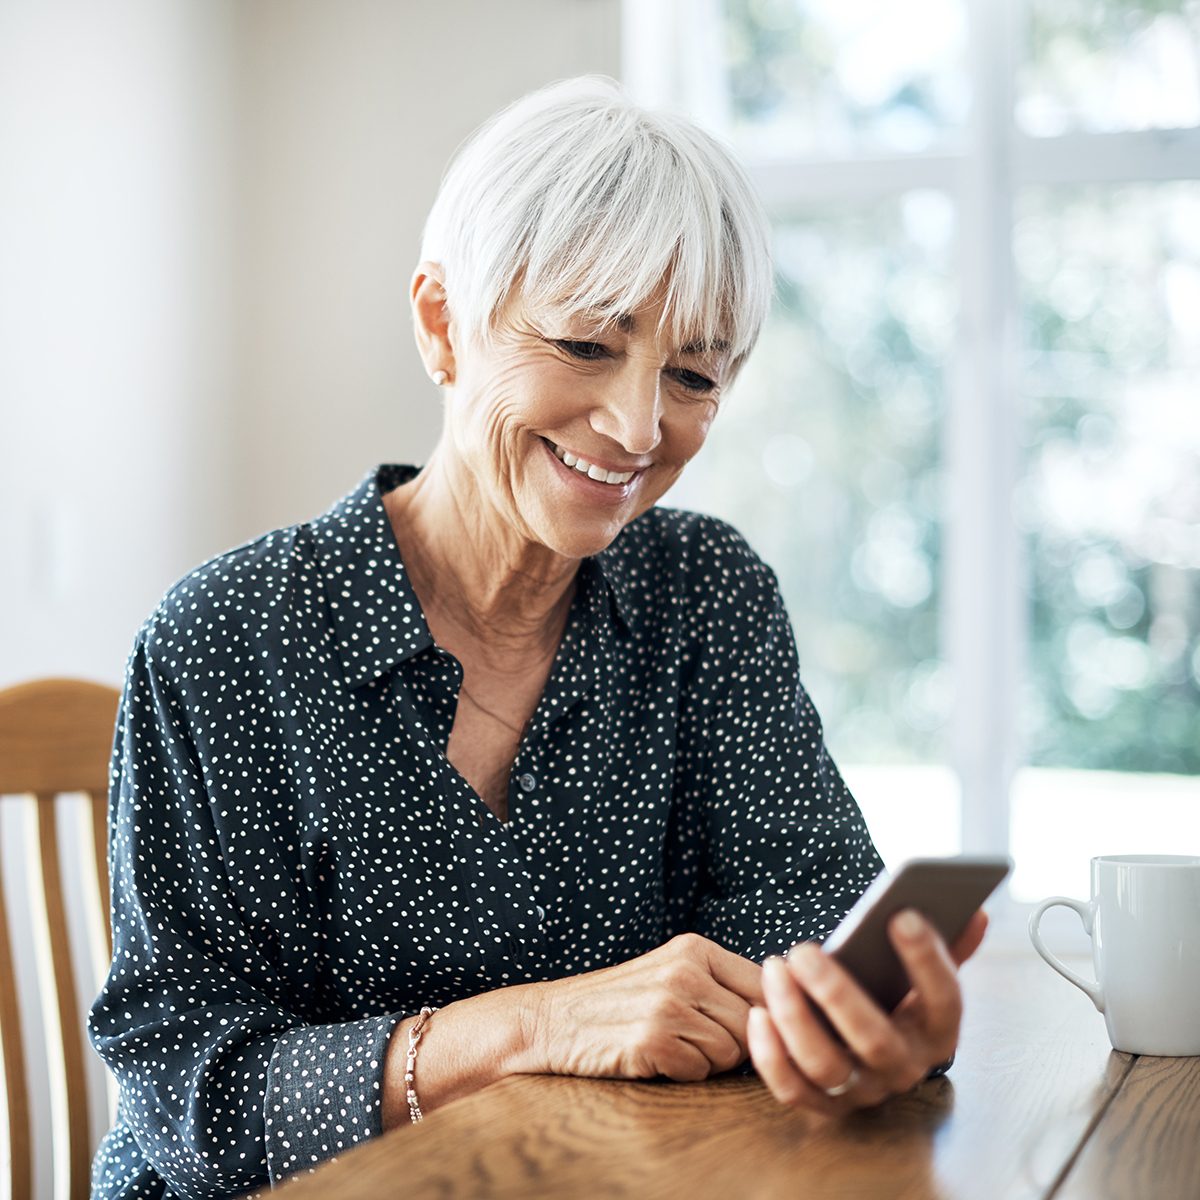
481	584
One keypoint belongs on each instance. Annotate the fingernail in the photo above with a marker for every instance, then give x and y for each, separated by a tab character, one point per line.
909	923
756	1023
810	963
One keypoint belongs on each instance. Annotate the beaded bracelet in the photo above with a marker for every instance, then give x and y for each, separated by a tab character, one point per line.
414	1036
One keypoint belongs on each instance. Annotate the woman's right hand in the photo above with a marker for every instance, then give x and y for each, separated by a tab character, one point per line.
680	1011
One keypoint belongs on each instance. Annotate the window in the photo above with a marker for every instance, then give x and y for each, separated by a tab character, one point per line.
969	440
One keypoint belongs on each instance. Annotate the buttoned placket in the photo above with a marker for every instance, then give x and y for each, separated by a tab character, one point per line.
365	576
494	870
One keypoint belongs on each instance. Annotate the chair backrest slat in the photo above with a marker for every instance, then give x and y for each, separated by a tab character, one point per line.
70	1030
99	806
55	736
20	1167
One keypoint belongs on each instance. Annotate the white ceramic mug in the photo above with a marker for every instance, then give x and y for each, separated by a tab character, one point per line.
1144	922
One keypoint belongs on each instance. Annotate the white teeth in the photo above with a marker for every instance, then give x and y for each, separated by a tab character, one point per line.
589	469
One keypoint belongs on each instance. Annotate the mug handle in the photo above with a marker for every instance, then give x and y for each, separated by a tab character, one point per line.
1086	912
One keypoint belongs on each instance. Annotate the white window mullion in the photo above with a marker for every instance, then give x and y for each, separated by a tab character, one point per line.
1140	155
649	64
982	612
786	184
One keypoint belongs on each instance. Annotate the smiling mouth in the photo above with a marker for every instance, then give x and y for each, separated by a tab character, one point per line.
599	474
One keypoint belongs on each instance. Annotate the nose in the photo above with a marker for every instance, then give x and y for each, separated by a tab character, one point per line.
630	412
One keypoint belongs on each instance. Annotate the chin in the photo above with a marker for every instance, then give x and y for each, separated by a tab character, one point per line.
580	543
578	538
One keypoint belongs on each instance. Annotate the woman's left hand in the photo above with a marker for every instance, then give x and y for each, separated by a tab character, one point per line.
798	1059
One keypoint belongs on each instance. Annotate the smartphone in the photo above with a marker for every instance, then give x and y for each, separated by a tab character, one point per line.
946	891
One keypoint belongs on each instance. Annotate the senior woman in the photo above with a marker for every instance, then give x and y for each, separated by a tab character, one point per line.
496	766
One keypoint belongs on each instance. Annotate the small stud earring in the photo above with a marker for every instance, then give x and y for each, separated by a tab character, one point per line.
438	377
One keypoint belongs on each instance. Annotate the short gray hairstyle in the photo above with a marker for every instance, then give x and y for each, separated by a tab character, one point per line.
580	200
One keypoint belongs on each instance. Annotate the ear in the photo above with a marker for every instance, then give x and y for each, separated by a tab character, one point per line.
431	319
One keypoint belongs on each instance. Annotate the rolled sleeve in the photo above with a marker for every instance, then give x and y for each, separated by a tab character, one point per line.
225	1081
324	1091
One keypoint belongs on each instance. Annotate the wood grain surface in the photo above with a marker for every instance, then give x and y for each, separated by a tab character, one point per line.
1147	1144
1036	1105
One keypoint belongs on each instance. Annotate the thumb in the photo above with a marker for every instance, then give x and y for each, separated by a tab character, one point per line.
968	941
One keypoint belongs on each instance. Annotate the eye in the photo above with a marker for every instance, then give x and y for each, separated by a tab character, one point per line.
694	382
584	350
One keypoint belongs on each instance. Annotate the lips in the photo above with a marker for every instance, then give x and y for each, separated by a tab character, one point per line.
597	491
600	473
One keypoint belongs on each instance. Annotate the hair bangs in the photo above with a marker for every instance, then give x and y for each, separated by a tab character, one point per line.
580	202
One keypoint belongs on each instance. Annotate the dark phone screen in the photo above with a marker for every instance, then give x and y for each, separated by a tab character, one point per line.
947	892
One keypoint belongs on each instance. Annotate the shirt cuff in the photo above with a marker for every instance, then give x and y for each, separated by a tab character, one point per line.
324	1091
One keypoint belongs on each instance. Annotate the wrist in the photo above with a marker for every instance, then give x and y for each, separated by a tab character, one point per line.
464	1046
525	1054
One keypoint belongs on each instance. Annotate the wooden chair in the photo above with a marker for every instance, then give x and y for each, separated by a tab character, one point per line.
55	736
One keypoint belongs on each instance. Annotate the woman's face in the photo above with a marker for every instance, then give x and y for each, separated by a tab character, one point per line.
554	387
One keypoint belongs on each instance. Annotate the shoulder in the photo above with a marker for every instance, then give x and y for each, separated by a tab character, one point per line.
226	604
700	562
702	551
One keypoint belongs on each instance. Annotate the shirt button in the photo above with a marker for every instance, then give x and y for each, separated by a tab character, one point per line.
541	912
527	782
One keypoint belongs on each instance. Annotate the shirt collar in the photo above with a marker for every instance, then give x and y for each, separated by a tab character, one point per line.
376	614
377	617
613	569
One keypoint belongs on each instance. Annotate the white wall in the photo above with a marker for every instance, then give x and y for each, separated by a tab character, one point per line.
352	111
115	363
209	213
115	360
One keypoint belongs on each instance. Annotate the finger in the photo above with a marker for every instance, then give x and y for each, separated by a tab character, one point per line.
683	1061
968	941
811	1046
734	972
729	1012
723	1046
777	1070
934	978
872	1037
723	986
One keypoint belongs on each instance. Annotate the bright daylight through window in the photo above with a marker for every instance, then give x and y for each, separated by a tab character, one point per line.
969	441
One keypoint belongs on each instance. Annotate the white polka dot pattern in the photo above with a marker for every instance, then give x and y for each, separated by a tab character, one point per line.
296	865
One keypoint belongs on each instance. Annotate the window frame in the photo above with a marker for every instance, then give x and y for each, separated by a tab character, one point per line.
667	48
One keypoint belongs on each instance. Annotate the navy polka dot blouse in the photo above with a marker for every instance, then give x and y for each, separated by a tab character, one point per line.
296	865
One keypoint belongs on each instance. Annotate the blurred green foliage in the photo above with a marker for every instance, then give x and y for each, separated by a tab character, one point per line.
829	76
837	422
1110	501
838	419
1109	65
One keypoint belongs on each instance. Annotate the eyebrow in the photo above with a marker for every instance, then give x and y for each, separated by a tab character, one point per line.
626	322
720	345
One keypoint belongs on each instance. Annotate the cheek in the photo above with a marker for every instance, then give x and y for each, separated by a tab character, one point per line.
495	430
488	402
685	432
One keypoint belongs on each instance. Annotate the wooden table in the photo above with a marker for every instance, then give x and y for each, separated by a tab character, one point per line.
1036	1105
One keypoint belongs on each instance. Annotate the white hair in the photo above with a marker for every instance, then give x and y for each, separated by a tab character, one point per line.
577	199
